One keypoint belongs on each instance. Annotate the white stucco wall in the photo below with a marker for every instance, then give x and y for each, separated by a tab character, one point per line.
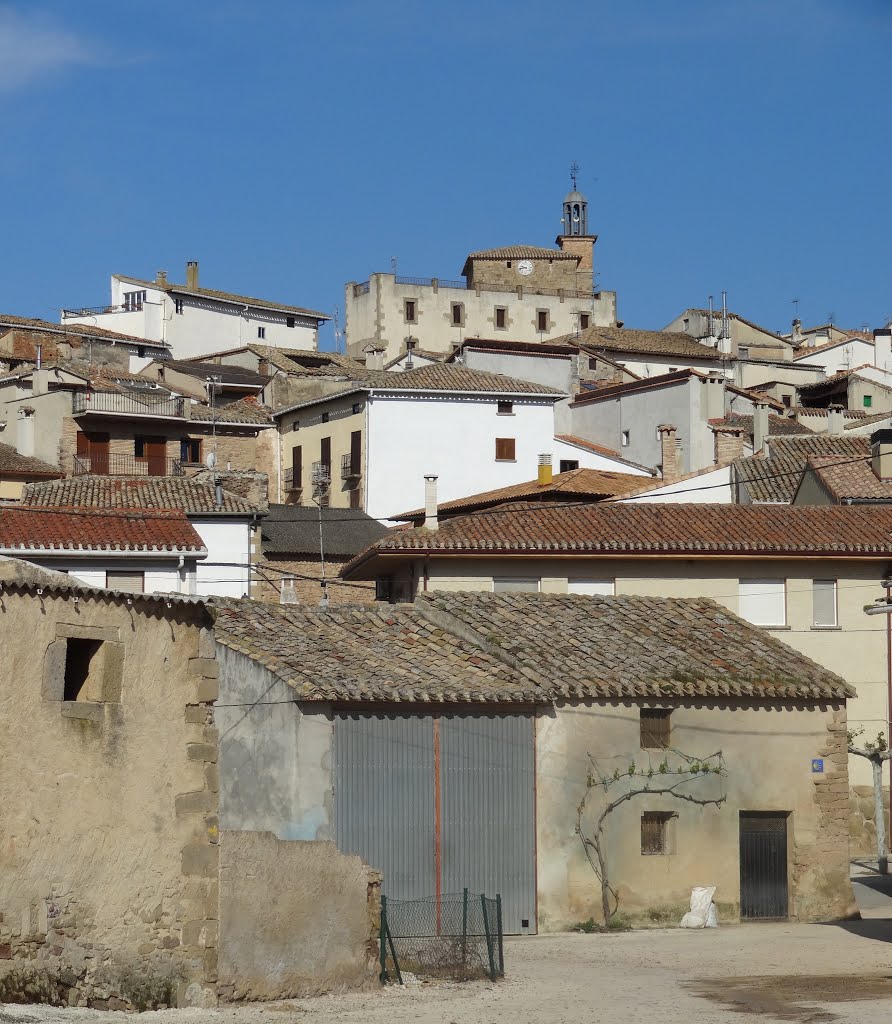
205	325
452	436
591	460
841	357
226	541
159	576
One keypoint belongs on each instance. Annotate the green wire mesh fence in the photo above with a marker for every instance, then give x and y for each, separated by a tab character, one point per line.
455	936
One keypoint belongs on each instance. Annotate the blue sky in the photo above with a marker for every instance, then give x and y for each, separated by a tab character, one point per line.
293	146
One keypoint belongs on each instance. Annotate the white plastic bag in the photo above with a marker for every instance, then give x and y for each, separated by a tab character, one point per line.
701	908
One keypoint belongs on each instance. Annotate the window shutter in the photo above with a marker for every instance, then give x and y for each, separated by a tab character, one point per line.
824	603
594	588
763	602
297	466
129	582
504	449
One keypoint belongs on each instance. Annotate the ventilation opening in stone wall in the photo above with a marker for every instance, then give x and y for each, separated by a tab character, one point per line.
81	664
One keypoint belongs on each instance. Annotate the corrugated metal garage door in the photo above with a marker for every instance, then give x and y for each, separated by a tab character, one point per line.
454	795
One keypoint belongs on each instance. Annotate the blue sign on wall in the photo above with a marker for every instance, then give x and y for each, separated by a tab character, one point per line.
817	765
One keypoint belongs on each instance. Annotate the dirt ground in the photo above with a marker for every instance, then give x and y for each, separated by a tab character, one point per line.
777	972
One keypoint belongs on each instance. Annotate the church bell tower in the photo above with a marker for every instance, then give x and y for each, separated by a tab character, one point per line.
574	237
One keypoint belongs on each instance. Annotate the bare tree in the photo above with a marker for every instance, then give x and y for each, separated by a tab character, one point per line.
877	753
632	782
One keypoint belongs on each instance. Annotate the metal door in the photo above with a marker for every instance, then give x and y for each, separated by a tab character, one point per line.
763	865
441	802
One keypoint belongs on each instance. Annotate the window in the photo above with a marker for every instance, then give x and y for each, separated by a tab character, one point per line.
139	447
140	351
501	317
591	587
585	320
654	728
289	321
673	369
178	306
133	301
409	311
743	352
508	264
568	465
786	400
261	332
81	669
357	408
190	449
593	364
130	582
506	408
868	401
627	439
458	314
655	832
542	320
824	611
504	449
515	585
763	602
295	426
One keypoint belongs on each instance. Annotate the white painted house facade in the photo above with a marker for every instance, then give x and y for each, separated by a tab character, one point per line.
194	320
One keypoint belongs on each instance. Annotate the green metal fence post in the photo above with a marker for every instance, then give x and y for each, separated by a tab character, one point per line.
499	934
486	930
382	939
464	928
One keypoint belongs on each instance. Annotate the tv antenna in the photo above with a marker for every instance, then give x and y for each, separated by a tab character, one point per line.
796	308
337	329
830	318
393	265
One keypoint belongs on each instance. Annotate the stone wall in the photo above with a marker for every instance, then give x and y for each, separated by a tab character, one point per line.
297	918
266	586
862	820
109	849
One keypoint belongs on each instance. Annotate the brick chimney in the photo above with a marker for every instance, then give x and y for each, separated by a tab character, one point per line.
728	443
669	452
192	275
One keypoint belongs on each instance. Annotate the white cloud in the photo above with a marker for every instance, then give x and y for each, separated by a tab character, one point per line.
34	48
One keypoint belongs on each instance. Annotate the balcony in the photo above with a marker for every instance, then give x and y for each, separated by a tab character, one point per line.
117	403
290	484
349	468
68	314
106	464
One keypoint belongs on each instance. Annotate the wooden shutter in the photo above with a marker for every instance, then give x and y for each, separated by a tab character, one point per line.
655	728
504	449
325	452
355	451
297	467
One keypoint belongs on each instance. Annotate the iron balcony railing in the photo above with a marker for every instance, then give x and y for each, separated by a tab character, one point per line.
290	483
120	404
108	464
67	314
349	468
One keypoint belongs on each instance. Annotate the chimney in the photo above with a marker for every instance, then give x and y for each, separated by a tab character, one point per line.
760	427
39	355
715	396
431	522
882	348
669	452
796	335
546	473
881	453
287	590
374	358
161	278
25	434
728	444
192	275
835	420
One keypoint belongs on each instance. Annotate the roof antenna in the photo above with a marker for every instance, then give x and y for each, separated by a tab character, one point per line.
393	265
337	329
574	173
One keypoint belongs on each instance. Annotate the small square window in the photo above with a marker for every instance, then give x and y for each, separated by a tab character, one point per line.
743	353
261	332
868	401
458	314
584	320
655	832
627	439
786	400
190	450
295	426
357	407
82	680
501	317
325	417
505	449
568	465
542	320
410	311
178	305
508	264
506	408
654	728
289	321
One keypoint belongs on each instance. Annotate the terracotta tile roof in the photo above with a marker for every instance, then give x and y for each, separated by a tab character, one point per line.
522	252
14	465
845	479
421	353
246	412
776	478
294	529
27	529
237	375
813	410
211	293
842	375
776	424
865	420
75	330
535	648
584	484
637	529
564	350
146	492
595	392
807	350
626	339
